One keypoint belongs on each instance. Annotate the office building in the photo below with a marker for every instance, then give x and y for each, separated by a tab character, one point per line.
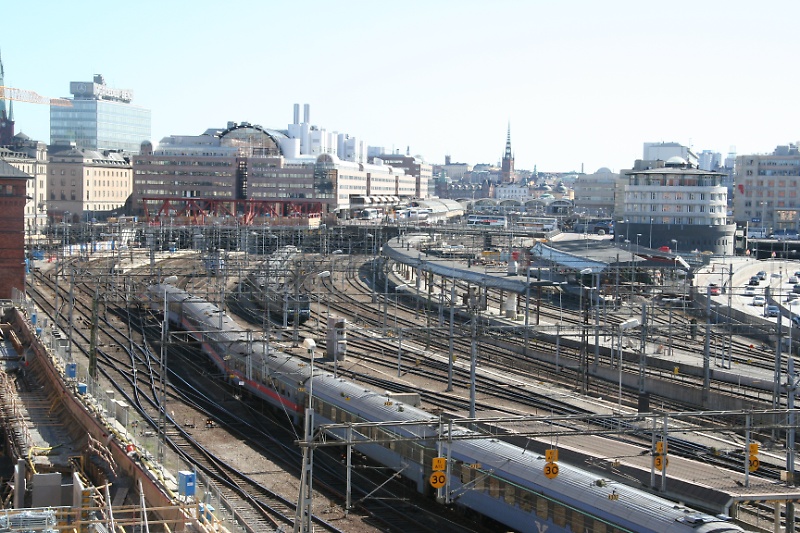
87	184
766	190
290	172
673	200
595	194
101	118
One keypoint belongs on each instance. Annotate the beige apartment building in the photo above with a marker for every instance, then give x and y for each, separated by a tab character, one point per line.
30	157
765	192
85	184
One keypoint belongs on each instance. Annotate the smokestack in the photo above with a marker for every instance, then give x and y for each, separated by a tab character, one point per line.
306	113
296	114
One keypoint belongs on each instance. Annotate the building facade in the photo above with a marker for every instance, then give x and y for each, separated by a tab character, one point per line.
86	184
13	185
766	190
31	158
248	162
100	118
595	194
678	206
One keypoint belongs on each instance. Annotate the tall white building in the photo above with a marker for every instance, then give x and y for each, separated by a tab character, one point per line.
676	201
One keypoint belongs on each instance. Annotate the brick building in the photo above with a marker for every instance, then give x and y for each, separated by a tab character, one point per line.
12	229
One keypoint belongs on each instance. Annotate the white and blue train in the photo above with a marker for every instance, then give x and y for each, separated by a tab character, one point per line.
488	476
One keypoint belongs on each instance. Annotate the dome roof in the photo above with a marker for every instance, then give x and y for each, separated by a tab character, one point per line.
603	170
676	160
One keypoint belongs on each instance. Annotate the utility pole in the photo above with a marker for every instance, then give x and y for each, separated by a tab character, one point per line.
93	335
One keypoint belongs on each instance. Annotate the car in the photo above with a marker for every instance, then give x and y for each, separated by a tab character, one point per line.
713	289
793	279
773	310
759	301
796	288
762	275
796	321
749	291
797	273
754	280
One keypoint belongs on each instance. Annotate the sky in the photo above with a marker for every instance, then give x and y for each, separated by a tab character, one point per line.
581	83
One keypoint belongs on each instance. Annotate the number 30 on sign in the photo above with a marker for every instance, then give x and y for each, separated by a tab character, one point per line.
438	480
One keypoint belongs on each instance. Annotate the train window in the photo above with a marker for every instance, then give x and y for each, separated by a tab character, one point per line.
526	502
560	515
510	493
480	481
466	473
333	414
576	523
494	487
541	508
599	527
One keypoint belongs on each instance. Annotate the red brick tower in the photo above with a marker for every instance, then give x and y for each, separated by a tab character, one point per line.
12	229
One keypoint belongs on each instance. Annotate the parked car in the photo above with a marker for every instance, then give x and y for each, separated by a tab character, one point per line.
754	280
759	301
749	291
773	310
796	321
792	279
713	289
796	288
762	275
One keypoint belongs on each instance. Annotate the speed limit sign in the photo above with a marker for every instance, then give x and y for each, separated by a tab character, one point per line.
551	470
438	480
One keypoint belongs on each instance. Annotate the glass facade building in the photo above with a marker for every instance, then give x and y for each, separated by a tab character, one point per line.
100	118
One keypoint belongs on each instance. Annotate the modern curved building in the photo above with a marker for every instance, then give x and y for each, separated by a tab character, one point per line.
679	206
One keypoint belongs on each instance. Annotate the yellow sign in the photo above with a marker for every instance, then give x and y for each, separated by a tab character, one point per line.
551	456
475	465
438	480
753	463
661	447
659	461
753	448
439	463
551	470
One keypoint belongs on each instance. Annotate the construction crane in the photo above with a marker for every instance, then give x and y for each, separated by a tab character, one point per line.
22	95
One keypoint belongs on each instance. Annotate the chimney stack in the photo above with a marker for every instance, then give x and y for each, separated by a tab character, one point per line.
296	114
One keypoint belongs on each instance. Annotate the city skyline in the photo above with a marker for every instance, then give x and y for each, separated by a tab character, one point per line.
582	84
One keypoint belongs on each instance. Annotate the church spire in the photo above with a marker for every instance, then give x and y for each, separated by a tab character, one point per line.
3	115
507	169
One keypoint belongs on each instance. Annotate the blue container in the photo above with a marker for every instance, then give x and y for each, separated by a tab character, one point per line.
72	371
186	483
207	511
34	318
81	388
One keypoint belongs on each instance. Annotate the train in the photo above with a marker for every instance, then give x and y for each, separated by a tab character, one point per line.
494	478
276	288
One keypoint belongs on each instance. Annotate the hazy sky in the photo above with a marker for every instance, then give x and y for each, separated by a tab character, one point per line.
581	82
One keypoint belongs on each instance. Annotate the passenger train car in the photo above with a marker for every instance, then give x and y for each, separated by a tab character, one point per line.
489	476
494	221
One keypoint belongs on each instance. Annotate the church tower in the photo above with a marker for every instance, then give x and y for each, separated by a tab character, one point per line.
507	167
6	117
